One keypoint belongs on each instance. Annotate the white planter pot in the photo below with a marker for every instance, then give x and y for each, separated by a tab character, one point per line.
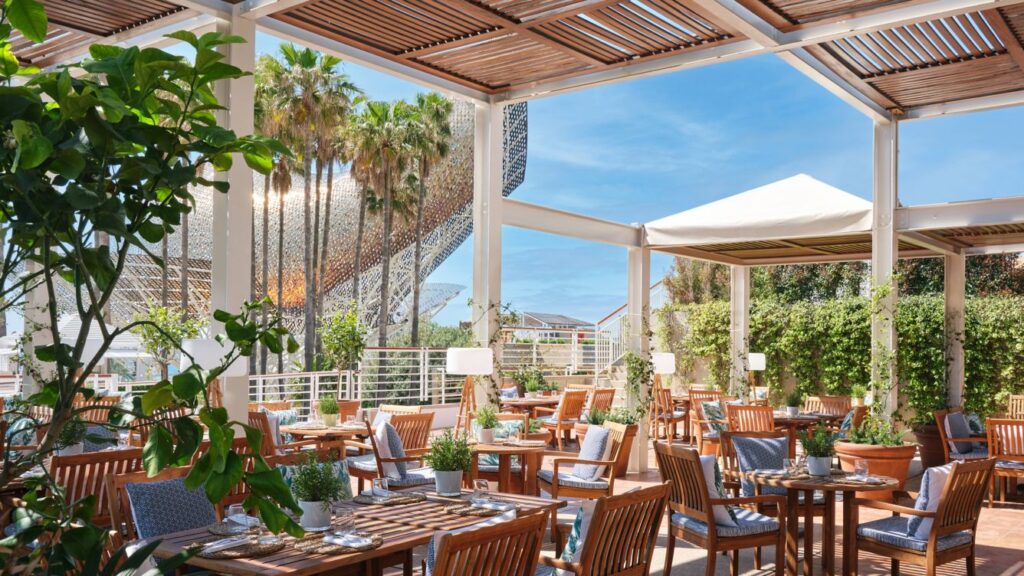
316	516
448	483
792	410
819	465
531	395
71	450
486	436
330	419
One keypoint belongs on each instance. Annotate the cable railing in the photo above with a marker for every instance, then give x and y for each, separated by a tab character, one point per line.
566	351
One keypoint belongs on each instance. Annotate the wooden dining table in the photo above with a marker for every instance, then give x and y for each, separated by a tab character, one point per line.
530	405
342	431
804	420
402	527
530	457
829	485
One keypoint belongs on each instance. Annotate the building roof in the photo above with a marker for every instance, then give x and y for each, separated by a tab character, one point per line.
558	320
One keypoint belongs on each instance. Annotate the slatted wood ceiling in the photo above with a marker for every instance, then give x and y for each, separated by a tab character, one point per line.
852	246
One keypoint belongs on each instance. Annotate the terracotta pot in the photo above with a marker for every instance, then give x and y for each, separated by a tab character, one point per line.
892	461
581	431
622	463
930	444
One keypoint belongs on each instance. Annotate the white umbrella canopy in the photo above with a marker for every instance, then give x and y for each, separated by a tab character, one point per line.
795	207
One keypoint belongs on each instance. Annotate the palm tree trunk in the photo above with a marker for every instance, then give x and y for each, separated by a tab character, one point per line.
312	323
265	266
323	247
414	330
183	270
385	269
359	247
280	268
307	256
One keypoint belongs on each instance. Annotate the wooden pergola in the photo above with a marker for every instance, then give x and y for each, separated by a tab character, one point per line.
894	61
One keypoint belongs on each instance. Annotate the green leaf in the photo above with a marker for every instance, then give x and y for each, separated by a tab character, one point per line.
69	163
80	197
187	385
158	452
33	147
81	542
293	345
151	232
28	17
189	434
157	397
262	163
8	61
200	472
222	316
254	438
219	484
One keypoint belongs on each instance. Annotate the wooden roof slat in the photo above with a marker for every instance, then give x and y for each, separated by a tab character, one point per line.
647	23
575	37
370	31
956	81
1002	29
621	25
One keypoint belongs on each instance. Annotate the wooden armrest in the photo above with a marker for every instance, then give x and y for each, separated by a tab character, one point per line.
297	444
560	454
969	439
355	444
559	461
879	505
404	459
544	409
573	567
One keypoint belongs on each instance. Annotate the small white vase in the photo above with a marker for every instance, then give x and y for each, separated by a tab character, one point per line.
316	516
486	436
330	420
448	483
792	410
819	465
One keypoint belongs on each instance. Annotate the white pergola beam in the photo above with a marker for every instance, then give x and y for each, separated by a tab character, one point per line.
884	252
995	249
638	310
259	8
292	33
216	8
939	246
814	69
553	221
991	212
966	106
741	19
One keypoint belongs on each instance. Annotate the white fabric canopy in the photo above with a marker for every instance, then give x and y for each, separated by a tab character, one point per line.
796	207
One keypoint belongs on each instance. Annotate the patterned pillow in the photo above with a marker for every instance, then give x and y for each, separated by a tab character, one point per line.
932	484
578	535
956	427
596	446
759	454
340	470
975	424
98	438
166	506
512	392
282	418
396	448
848	420
715	414
724	515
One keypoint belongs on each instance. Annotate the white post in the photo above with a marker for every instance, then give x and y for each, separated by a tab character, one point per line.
638	307
884	251
232	212
488	155
739	326
36	332
955	288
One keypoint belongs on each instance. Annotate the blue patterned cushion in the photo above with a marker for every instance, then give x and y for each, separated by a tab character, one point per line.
893	531
99	433
340	470
414	477
396	448
715	414
975	424
956	427
364	462
510	393
594	447
565	479
974	454
166	506
21	430
573	549
282	418
748	523
757	454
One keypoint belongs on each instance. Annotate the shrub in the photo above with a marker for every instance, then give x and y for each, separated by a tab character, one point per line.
819	442
329	405
316	481
487	417
449	454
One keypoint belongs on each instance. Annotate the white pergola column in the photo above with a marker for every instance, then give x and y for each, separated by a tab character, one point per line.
739	326
37	327
232	212
955	292
638	308
488	155
884	252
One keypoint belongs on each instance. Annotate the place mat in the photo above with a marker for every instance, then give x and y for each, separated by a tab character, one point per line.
853	481
307	426
314	544
470	510
409	498
227	529
781	475
249	550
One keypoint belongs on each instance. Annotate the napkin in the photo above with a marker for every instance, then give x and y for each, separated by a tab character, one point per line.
224	544
770	472
491	505
349	540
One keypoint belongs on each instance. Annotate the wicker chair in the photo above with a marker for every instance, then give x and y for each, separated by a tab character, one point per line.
750	418
503	549
953	529
940	419
1005	444
621	538
692	512
564	417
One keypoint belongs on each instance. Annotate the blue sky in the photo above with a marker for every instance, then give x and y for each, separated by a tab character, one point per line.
640	150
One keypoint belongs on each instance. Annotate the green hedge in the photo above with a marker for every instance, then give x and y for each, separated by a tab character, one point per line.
825	347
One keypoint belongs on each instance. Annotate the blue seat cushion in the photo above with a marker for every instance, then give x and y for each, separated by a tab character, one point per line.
748	523
893	532
397	448
974	454
166	506
363	462
414	477
571	480
759	454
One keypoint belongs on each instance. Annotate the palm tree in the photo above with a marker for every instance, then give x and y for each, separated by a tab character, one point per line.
382	152
431	135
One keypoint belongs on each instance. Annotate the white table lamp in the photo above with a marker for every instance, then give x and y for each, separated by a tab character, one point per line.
469	361
756	361
664	362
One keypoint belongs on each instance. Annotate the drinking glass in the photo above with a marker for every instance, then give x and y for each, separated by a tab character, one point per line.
380	487
481	491
860	468
235	511
513	436
787	464
344	521
350	419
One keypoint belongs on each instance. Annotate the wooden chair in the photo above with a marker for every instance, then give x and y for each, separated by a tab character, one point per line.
701	427
414	429
1005	444
564	417
600	399
759	396
348	408
622	535
1015	408
120	505
689	500
399	409
556	485
940	420
272	406
664	415
83	475
750	418
959	509
370	466
96	409
141	428
813	404
504	549
261	421
835	405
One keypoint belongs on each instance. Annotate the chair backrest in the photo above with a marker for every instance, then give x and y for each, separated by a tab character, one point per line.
1005	438
120	505
835	405
859	412
398	409
503	549
272	406
601	399
141	428
413	429
261	422
813	404
578	386
940	421
348	408
688	491
730	462
1015	409
82	475
623	532
750	418
960	503
98	411
699	397
759	395
571	406
616	435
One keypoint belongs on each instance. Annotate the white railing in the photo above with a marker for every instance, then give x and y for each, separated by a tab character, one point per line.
612	336
566	351
11	384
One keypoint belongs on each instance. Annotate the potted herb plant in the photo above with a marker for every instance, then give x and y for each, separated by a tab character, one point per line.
794	400
595	417
329	410
315	485
487	423
631	421
819	445
534	431
882	445
71	438
857	393
449	457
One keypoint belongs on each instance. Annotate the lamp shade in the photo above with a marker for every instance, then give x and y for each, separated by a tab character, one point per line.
469	361
756	361
208	354
664	362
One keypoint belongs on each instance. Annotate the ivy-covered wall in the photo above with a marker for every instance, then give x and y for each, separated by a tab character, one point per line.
825	347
